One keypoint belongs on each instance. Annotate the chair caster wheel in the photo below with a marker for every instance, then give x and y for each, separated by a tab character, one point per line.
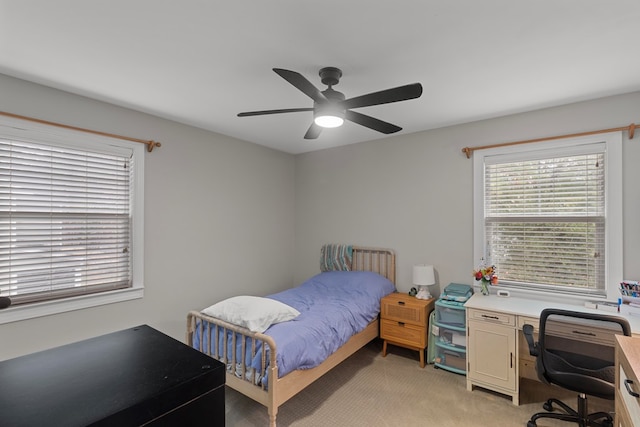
547	406
532	424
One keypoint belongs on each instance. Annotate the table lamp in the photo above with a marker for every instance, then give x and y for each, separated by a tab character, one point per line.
423	277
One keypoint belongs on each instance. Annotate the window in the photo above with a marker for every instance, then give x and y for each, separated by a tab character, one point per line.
70	219
549	216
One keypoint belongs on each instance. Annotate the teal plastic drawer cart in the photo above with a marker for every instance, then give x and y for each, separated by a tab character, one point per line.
448	334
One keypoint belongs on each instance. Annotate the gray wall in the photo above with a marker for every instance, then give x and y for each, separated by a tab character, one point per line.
218	220
225	217
413	193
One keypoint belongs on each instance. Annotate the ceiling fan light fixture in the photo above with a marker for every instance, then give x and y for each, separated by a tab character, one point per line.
328	121
331	108
330	116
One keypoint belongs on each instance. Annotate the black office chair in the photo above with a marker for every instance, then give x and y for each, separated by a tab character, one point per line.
576	351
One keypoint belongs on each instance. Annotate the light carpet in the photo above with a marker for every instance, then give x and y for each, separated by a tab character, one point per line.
370	390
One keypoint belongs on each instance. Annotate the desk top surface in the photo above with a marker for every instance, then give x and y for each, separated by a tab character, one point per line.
126	377
533	307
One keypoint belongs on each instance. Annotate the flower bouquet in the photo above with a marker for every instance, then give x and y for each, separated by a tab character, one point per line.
486	274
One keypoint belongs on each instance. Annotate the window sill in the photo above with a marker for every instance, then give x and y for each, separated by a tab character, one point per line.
31	311
555	297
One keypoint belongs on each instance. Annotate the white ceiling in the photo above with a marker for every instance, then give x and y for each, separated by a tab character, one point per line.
201	62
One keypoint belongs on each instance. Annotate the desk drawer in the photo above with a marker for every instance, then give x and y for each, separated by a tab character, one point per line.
525	320
587	332
403	333
631	403
492	316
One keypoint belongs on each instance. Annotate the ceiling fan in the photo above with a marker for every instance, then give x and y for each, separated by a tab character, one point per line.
330	108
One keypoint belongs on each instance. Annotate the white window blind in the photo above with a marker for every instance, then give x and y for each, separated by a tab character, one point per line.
65	220
544	220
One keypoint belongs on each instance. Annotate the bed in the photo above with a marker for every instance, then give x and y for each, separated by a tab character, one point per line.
256	367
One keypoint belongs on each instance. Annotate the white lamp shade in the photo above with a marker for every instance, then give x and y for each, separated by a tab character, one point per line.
423	275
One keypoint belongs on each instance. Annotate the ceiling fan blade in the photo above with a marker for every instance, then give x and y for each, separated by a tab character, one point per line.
313	132
304	85
371	122
261	113
400	93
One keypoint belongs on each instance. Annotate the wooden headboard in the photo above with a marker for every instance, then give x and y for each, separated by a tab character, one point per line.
378	260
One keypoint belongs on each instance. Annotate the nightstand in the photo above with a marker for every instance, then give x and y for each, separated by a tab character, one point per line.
404	321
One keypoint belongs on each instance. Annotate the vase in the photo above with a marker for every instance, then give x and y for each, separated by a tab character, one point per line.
484	288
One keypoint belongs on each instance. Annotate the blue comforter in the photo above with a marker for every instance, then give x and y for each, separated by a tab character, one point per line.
333	306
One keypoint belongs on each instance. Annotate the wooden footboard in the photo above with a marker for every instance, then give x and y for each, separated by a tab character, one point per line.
241	377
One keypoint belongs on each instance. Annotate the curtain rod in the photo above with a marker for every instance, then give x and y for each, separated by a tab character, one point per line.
150	144
631	129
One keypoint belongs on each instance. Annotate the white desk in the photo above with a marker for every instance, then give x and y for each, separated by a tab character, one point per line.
497	354
627	379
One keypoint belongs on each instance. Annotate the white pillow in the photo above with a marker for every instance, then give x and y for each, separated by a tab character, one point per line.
253	313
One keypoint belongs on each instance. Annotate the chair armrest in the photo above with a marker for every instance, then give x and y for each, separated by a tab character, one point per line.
528	334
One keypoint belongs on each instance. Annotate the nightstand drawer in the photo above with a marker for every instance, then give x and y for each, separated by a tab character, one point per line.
403	333
404	308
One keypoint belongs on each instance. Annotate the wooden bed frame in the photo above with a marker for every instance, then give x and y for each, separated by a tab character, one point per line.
279	390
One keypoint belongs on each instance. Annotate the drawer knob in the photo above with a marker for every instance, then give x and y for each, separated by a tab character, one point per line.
401	302
628	387
401	323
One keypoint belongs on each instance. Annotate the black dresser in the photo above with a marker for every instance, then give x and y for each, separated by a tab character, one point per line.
133	377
